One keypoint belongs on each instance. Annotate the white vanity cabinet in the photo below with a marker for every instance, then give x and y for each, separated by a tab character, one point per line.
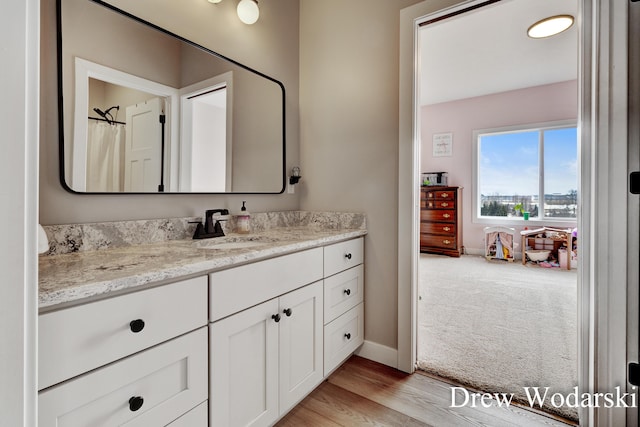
278	327
138	359
266	358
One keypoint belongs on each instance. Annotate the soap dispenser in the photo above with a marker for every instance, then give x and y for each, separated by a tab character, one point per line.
243	220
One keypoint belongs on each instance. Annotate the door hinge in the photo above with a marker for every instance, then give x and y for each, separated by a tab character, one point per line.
634	374
634	182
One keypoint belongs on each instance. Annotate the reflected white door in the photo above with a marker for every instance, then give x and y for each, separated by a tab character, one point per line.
143	149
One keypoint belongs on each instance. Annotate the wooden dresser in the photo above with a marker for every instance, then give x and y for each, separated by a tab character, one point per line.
441	220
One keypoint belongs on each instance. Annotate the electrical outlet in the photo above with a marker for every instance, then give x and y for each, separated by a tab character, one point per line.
291	188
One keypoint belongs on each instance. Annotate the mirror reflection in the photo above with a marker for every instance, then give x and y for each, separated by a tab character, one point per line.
145	111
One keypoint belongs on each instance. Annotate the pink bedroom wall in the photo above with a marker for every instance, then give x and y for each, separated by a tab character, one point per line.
548	103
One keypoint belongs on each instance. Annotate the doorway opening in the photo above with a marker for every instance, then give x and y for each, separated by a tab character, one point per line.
484	86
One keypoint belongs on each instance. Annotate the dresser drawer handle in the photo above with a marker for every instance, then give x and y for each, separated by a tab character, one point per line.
446	242
446	216
445	204
445	195
347	291
347	256
347	336
446	228
135	403
136	325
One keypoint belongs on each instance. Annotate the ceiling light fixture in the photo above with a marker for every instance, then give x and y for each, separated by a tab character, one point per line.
550	26
214	1
248	11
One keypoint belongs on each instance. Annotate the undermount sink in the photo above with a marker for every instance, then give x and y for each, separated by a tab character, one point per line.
225	243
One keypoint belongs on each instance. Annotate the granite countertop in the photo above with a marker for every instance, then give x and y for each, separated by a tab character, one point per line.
77	277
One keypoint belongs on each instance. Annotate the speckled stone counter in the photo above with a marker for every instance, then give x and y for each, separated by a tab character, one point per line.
75	277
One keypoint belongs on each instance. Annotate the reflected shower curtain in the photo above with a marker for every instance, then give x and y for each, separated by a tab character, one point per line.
105	157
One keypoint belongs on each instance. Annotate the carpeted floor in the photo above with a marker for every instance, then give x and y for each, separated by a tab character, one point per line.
498	326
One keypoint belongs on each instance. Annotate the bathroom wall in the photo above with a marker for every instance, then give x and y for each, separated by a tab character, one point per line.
270	46
349	65
548	103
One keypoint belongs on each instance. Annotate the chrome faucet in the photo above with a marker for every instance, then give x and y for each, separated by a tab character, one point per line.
211	229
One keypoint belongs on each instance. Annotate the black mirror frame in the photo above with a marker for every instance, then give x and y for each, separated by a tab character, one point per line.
61	150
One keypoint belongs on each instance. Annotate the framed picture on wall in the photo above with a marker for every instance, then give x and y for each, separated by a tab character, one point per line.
443	144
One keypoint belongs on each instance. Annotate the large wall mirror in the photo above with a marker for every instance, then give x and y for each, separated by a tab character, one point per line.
143	110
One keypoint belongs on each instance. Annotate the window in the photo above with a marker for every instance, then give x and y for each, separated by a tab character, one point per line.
527	173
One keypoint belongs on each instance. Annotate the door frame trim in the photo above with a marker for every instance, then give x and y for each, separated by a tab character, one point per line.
602	296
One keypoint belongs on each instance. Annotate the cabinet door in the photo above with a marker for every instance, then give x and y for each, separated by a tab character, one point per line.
244	368
301	367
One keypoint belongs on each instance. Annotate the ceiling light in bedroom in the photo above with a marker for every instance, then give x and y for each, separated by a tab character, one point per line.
550	26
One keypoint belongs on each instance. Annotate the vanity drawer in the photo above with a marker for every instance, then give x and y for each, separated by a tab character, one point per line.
238	288
342	292
77	339
197	417
342	337
343	255
167	380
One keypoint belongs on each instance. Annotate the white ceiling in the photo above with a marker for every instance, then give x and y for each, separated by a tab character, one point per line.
488	51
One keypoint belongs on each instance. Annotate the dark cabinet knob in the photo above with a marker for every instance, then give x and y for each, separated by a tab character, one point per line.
288	312
136	325
347	291
347	256
276	317
347	336
135	403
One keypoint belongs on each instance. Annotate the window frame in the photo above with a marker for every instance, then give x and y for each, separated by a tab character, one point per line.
517	221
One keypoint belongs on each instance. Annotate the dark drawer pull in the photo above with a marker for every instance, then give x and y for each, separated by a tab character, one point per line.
276	317
347	256
135	403
347	291
347	336
288	312
136	325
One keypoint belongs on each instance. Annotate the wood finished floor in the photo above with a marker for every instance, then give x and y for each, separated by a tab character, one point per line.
365	393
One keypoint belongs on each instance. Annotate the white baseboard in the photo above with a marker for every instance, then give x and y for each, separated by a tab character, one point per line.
379	353
473	251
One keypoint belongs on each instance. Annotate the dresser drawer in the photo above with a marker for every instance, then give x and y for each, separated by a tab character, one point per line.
343	255
238	288
442	215
445	242
342	292
342	337
438	228
440	204
151	388
77	339
440	194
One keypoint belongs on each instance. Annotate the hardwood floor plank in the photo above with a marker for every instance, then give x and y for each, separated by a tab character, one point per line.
424	398
349	409
301	416
366	393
